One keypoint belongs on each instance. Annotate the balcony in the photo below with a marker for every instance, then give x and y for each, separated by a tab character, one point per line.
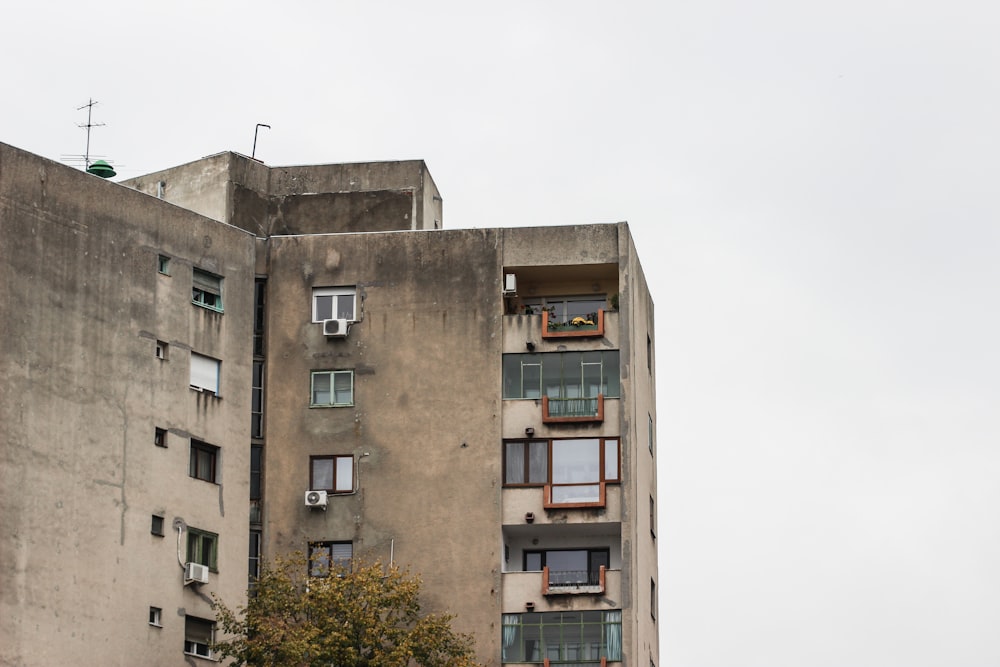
573	582
521	588
586	326
572	410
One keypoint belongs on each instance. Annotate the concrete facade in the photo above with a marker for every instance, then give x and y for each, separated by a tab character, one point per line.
419	421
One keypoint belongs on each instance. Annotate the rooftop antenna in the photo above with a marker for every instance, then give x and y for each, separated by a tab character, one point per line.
89	106
98	167
253	153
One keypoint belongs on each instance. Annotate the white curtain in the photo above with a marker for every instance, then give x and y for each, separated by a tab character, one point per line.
613	634
511	624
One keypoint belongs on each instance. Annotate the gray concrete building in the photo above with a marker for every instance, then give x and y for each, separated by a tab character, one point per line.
227	354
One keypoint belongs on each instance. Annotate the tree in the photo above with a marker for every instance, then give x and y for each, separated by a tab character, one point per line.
367	616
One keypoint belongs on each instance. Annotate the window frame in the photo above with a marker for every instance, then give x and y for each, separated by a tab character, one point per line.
335	488
591	554
519	385
160	437
334	293
156	617
206	290
205	363
332	374
163	264
602	458
195	548
191	641
257	399
316	567
555	624
156	525
195	461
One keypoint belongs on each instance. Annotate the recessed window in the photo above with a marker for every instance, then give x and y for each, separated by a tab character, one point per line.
161	350
160	437
325	557
334	303
253	564
206	290
205	373
202	548
569	566
259	303
652	517
652	446
256	472
575	467
332	388
155	614
331	473
156	526
649	354
204	461
163	264
198	636
257	401
652	599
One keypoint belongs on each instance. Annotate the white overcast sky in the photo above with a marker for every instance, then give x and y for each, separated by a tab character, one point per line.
813	188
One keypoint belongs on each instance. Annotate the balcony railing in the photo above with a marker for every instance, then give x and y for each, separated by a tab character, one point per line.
578	327
556	410
573	582
574	495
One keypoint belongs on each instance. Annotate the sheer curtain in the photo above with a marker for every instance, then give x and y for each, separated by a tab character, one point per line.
511	624
613	634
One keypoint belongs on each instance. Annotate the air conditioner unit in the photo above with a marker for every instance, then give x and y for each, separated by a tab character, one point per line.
336	328
510	284
195	573
316	499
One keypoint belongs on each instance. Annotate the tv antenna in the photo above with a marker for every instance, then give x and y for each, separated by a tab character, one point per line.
89	106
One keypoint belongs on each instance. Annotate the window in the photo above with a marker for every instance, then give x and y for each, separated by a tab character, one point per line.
161	350
203	548
652	599
334	303
206	290
652	517
257	401
569	567
562	636
198	636
155	614
332	388
204	373
563	309
650	435
254	556
331	473
163	264
575	467
156	526
256	471
327	556
259	293
160	437
204	461
562	375
649	354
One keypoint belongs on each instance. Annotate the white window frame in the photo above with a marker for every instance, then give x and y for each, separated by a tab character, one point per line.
319	292
155	617
333	394
191	647
205	373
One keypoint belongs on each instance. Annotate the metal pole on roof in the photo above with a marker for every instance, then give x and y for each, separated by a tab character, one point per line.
253	154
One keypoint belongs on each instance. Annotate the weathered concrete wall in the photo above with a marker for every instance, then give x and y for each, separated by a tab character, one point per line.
318	199
425	426
83	305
